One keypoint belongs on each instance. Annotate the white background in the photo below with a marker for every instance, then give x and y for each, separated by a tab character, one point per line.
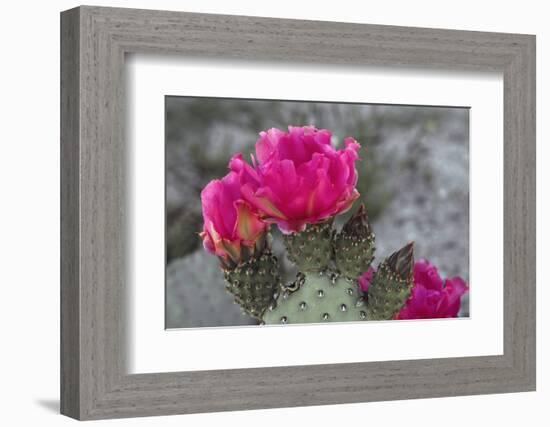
29	224
152	349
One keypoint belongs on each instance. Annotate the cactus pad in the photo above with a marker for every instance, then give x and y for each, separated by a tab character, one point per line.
391	285
354	245
254	282
317	298
311	249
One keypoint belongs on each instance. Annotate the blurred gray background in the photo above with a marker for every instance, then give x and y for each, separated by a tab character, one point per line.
413	179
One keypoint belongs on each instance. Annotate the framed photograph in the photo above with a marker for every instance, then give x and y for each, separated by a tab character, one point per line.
262	213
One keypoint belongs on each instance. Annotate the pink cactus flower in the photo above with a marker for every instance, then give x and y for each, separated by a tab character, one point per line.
432	298
299	178
366	279
229	221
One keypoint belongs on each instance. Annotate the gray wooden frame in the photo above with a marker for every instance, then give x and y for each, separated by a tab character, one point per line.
94	41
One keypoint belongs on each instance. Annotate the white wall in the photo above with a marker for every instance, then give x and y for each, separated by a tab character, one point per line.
29	229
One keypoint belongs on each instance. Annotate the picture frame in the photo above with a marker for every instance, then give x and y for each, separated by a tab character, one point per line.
94	268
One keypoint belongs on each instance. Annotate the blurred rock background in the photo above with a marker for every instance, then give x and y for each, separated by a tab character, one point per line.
413	179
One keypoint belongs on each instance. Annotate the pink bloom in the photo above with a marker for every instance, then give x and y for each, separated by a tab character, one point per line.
299	177
432	298
229	221
366	279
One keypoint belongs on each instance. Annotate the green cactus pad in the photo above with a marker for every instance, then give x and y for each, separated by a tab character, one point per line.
311	249
391	285
254	282
317	298
354	245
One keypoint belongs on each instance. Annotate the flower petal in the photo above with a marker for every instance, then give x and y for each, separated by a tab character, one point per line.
248	225
427	274
300	178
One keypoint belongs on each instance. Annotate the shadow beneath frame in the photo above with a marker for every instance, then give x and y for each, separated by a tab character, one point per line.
51	405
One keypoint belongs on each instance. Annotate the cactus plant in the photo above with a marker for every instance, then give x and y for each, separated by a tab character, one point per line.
391	285
254	282
328	296
299	182
318	297
311	249
354	245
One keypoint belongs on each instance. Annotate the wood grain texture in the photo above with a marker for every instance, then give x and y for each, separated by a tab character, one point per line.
94	382
70	292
